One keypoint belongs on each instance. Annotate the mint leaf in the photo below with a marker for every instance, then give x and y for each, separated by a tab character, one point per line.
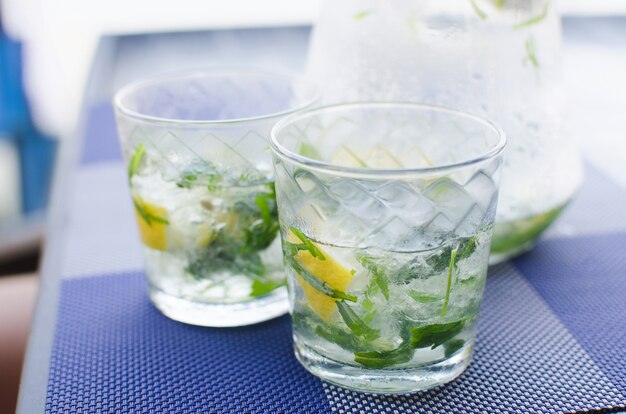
263	287
135	161
378	274
146	216
534	20
317	283
259	220
309	151
200	174
422	297
383	359
531	53
355	323
441	261
266	215
452	346
425	336
449	282
305	320
479	12
435	334
367	304
305	245
466	248
362	15
224	255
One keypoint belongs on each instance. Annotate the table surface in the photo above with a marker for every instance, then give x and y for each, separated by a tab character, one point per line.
92	243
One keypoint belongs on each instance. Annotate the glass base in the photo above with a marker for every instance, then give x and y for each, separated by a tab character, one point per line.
221	315
384	381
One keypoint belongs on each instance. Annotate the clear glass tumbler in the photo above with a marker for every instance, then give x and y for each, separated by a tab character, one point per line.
386	215
201	182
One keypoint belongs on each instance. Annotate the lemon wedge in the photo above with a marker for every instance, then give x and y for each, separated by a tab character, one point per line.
152	221
327	270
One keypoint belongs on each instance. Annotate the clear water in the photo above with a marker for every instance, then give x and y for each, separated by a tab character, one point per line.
220	248
424	315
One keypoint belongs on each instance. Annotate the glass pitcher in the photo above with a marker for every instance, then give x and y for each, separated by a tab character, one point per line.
495	58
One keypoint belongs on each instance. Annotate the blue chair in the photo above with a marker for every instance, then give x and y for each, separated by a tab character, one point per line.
37	151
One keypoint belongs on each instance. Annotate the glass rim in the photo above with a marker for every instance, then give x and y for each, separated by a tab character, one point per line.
132	87
336	169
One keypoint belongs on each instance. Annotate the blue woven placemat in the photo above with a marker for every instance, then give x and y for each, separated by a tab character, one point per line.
114	352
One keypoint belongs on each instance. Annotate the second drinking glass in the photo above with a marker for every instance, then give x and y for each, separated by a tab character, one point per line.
201	182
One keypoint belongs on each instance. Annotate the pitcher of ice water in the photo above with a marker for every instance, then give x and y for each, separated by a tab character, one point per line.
495	58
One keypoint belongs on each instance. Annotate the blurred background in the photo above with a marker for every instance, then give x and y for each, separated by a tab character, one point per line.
58	55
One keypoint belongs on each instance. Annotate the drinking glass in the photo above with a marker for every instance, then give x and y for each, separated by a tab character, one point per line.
201	182
386	214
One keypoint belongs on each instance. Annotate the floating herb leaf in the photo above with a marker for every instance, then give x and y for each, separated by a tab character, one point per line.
135	161
355	323
368	307
252	227
200	174
469	281
367	304
531	52
452	346
377	273
261	219
426	336
263	287
369	316
224	253
535	19
478	10
362	15
449	283
436	334
465	248
148	217
307	320
317	283
292	248
309	151
422	297
383	359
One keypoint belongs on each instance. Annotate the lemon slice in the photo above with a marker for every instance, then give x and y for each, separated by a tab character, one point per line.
206	236
228	219
152	221
328	270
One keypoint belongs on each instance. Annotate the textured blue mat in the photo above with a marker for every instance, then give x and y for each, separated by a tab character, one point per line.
583	280
114	352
